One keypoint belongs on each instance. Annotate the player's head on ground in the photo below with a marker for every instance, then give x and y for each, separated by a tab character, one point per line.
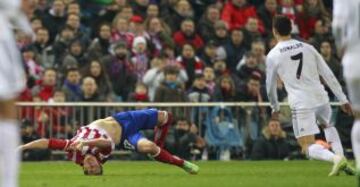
281	26
92	166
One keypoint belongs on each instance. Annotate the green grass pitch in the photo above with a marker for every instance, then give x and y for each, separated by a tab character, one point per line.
212	174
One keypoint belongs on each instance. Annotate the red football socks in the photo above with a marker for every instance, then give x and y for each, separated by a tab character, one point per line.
168	158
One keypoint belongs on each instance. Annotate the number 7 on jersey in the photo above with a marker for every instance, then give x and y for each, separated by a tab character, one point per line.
298	56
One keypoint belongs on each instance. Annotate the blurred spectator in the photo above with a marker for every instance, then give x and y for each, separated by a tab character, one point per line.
199	92
321	33
32	65
251	65
73	8
97	71
221	33
327	53
207	22
61	45
182	140
188	35
111	11
333	63
44	48
121	32
251	91
288	8
152	11
225	90
221	69
272	145
191	63
209	76
251	116
178	12
160	36
136	26
170	90
140	59
140	94
52	121
200	7
251	29
235	49
81	32
237	12
152	77
36	24
258	50
71	86
90	90
266	12
75	57
120	71
55	18
140	7
313	10
155	75
100	46
209	54
45	87
126	12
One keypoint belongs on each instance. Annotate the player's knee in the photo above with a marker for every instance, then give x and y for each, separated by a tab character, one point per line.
147	147
162	117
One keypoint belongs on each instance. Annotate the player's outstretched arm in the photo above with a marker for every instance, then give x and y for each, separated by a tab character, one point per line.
37	144
98	142
52	143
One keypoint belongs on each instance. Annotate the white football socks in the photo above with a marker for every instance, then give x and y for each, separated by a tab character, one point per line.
9	155
318	152
355	139
332	137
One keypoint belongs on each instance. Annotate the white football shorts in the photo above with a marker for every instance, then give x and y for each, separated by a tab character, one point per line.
305	121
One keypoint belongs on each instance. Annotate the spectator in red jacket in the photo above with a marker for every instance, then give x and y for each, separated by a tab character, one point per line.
45	87
187	34
236	13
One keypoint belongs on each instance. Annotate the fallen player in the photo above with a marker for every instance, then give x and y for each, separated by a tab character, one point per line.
93	144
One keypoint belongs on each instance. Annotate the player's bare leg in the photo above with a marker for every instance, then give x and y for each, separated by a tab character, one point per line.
318	152
9	140
165	119
148	147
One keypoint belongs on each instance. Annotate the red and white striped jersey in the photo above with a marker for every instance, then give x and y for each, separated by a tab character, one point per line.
84	133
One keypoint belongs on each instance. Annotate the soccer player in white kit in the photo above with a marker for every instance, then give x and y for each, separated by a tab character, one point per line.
300	66
12	81
346	29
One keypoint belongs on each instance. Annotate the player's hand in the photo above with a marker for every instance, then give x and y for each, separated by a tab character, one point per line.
77	145
347	108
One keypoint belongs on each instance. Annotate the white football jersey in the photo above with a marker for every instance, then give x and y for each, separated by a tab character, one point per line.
12	17
300	66
346	22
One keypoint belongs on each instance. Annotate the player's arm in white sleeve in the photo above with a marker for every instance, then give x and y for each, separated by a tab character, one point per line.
12	9
329	78
340	17
271	84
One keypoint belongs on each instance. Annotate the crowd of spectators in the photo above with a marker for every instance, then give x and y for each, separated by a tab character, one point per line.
162	50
